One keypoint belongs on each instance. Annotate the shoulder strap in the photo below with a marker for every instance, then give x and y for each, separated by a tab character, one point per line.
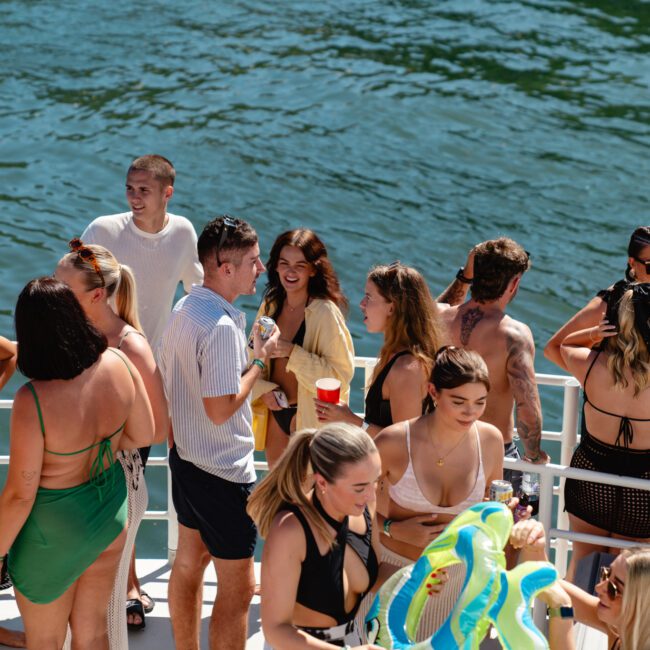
407	430
478	442
386	369
591	365
119	345
38	406
117	354
310	540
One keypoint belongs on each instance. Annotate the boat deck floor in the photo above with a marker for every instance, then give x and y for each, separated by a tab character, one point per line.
154	576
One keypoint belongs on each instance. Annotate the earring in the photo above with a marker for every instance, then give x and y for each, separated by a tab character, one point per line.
435	404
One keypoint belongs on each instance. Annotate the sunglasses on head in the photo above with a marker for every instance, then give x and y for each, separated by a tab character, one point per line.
605	575
87	255
228	223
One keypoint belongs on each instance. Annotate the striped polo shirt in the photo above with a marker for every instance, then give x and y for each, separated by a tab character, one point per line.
203	354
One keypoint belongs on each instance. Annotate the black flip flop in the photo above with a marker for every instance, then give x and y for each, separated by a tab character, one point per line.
134	607
147	608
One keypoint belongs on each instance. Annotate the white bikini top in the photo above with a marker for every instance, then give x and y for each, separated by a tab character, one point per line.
407	493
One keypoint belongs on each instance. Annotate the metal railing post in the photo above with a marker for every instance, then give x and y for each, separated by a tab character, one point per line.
569	439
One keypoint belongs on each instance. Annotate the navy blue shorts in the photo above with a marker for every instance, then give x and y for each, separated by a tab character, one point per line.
215	507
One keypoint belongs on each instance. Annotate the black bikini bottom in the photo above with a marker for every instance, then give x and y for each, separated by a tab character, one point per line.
283	417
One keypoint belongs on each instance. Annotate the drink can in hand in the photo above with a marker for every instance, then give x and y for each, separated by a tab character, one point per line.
266	325
501	491
328	389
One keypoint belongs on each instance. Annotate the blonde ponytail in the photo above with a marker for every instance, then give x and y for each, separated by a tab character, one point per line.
126	300
284	484
116	278
325	451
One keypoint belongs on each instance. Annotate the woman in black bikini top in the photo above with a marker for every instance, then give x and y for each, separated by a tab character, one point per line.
615	439
398	304
320	555
605	303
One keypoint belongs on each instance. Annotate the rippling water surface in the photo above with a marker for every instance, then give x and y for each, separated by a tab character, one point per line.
405	130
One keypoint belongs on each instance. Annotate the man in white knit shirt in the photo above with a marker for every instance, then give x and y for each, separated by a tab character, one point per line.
159	247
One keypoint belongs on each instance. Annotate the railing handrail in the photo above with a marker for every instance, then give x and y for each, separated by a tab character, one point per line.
558	535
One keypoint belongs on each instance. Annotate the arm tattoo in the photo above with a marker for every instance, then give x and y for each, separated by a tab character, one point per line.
454	294
468	322
28	476
521	375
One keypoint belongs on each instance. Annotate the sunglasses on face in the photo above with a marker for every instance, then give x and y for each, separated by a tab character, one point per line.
227	224
645	263
605	576
87	255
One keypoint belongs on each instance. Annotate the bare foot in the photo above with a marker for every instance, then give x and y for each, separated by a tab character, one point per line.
12	638
147	602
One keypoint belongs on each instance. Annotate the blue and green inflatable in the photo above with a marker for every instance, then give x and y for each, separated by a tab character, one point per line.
490	595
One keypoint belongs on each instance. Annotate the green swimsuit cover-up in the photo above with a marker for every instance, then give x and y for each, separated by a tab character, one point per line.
69	528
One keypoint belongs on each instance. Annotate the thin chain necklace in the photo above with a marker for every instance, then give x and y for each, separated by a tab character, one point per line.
441	459
292	309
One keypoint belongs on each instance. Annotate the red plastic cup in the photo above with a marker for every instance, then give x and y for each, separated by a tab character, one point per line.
328	390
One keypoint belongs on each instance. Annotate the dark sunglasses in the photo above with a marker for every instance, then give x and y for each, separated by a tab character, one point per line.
228	223
87	255
646	263
605	575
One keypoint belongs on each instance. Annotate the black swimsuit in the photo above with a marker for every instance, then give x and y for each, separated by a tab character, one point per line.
284	416
378	409
321	577
620	510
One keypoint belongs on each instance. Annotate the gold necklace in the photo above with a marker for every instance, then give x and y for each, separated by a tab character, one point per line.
292	309
441	459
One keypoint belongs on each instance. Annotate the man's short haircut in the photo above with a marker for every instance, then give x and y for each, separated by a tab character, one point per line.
158	166
496	263
236	240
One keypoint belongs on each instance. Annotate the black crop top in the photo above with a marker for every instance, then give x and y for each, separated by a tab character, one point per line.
378	409
321	577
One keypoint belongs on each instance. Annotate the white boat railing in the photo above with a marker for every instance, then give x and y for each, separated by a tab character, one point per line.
552	476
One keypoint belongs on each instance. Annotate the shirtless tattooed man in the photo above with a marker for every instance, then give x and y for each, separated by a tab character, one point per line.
492	273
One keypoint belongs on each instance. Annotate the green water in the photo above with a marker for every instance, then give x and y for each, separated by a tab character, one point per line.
398	130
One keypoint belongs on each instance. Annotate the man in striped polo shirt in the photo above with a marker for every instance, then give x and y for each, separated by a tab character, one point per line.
204	363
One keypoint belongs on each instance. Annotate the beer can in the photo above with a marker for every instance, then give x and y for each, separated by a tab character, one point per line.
266	324
500	491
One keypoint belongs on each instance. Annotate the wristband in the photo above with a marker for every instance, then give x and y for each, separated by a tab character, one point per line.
387	525
460	276
559	612
259	363
365	425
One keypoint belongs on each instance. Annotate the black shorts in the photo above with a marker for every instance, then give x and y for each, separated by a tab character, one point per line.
215	507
